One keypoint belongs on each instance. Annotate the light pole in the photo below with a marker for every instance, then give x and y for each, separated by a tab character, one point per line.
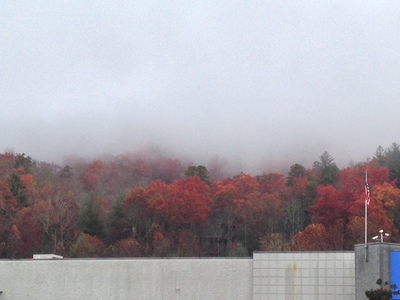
382	235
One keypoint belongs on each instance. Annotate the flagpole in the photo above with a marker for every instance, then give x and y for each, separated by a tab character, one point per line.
366	202
366	209
366	222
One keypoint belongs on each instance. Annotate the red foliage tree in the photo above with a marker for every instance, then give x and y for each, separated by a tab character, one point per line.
7	161
188	244
163	244
136	217
181	203
8	209
88	246
189	201
332	210
126	248
314	237
31	233
91	177
270	183
238	206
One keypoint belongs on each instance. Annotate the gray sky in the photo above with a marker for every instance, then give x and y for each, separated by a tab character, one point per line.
261	84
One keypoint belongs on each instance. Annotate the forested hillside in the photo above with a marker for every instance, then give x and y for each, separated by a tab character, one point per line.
133	206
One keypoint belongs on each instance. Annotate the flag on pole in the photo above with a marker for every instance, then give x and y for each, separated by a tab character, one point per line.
367	193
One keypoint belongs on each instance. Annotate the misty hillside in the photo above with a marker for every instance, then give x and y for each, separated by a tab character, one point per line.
261	84
138	205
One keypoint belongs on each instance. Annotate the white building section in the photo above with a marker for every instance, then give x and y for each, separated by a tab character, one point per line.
268	275
116	279
303	275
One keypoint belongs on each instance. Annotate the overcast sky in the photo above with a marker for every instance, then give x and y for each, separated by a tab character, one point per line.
259	83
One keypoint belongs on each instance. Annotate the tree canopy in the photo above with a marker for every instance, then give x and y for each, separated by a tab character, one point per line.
136	206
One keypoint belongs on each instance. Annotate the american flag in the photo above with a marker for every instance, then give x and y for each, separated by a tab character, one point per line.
367	193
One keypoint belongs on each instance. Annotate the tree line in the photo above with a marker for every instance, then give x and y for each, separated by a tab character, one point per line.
126	206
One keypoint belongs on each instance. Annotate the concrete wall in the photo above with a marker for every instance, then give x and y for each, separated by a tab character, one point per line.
304	275
371	264
126	279
269	275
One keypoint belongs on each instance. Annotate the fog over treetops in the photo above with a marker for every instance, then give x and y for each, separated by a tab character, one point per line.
260	85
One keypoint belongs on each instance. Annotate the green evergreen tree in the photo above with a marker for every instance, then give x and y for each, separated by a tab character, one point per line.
90	220
326	169
17	188
380	156
296	171
200	171
393	162
66	172
113	229
26	163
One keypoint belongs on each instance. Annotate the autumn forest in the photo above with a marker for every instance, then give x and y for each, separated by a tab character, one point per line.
137	206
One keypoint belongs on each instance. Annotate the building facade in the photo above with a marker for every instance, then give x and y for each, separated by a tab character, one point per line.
267	275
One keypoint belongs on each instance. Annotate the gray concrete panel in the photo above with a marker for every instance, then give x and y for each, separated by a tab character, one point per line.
303	275
183	279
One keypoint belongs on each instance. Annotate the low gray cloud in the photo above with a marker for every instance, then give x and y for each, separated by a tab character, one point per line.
263	85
